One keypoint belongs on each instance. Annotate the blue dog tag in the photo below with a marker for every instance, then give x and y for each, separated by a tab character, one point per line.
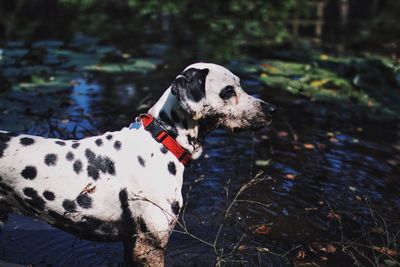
135	125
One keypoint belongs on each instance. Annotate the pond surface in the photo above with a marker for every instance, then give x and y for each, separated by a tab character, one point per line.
329	187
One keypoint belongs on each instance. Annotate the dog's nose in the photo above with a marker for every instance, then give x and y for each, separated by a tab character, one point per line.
269	109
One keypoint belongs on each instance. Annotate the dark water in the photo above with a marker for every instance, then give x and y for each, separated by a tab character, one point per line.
330	179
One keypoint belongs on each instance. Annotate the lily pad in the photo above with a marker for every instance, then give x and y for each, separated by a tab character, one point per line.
263	163
137	66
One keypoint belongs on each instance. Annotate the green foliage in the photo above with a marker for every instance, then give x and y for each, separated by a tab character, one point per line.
368	83
136	66
48	67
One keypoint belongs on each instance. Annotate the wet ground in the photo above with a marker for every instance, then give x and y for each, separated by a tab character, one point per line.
326	188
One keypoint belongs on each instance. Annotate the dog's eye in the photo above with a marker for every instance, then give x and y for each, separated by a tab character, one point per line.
227	92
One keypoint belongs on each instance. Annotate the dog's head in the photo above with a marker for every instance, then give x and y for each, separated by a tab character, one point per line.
209	91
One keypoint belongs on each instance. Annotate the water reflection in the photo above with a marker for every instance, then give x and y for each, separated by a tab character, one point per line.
77	88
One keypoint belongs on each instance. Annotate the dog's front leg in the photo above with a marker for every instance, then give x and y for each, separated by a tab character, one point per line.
148	253
143	252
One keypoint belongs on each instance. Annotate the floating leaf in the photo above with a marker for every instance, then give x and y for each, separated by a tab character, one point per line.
290	176
263	163
330	134
242	248
263	230
352	188
319	83
308	146
283	134
333	140
138	66
301	254
324	57
263	250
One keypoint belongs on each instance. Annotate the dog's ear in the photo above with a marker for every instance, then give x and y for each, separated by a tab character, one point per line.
190	85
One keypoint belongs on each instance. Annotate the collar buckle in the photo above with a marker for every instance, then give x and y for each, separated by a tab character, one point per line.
155	129
160	134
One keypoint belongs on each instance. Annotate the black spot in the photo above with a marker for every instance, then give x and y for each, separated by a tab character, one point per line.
75	145
117	145
152	155
126	215
84	201
50	159
163	150
4	139
227	92
109	136
141	161
175	207
77	166
142	225
49	195
175	116
29	192
110	166
26	141
61	143
97	164
99	142
35	201
150	237
29	172
172	168
5	187
69	205
70	156
90	155
93	172
164	117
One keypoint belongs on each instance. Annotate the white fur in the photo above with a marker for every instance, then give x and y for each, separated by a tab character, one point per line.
151	190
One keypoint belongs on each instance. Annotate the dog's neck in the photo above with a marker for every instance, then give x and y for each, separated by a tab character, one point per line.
189	133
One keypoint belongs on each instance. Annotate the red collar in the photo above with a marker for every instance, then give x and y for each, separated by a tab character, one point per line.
161	135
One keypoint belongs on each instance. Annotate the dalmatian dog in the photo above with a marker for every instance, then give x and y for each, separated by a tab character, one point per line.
126	185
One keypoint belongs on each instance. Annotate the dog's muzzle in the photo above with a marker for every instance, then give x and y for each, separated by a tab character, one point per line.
267	110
